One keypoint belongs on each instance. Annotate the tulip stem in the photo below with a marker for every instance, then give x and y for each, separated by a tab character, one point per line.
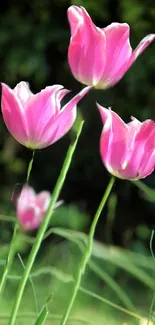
44	226
30	167
88	251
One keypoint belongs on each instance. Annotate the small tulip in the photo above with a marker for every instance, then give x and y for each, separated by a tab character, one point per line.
100	56
127	150
37	120
31	207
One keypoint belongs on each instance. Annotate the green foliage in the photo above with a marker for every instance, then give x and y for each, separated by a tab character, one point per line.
98	301
34	37
43	314
69	217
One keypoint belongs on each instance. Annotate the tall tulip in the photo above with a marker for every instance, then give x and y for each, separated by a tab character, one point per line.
127	150
37	120
100	56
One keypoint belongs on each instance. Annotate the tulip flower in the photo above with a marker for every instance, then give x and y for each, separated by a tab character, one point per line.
127	150
100	56
32	207
37	120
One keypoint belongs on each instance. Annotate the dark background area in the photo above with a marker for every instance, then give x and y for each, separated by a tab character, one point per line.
34	38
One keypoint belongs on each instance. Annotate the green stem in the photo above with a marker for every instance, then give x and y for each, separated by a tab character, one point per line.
44	226
11	254
87	253
30	167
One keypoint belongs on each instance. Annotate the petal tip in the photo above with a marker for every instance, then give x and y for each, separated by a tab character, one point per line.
104	112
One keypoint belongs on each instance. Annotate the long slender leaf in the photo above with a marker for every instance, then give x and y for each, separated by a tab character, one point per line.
31	282
44	313
42	316
110	254
68	278
30	315
148	193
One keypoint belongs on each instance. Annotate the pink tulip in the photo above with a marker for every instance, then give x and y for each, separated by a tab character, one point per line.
127	150
32	207
37	121
100	56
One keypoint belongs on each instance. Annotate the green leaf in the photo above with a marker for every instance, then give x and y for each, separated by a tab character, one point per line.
44	313
147	192
114	255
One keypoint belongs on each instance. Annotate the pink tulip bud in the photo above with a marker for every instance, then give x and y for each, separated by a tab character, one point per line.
100	56
32	207
37	121
127	150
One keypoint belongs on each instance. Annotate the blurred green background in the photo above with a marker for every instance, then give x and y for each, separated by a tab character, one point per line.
34	38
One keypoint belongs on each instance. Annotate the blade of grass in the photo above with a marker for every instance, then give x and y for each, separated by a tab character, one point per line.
108	302
7	218
113	285
153	299
111	254
44	313
10	257
50	316
149	193
66	278
32	285
87	252
108	254
102	274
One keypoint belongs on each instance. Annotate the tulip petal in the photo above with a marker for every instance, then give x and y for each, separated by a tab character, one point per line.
13	114
74	16
118	51
29	218
148	135
40	109
86	53
26	209
57	128
150	165
43	200
58	98
126	66
23	92
133	129
141	150
26	196
113	139
141	47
